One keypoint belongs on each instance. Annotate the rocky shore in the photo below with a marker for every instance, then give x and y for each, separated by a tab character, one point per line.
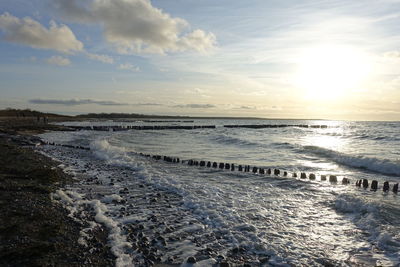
34	230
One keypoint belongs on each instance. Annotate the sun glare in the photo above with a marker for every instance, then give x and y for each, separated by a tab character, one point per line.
329	72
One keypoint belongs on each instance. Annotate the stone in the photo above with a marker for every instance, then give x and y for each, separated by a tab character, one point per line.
365	183
303	175
312	176
191	260
332	178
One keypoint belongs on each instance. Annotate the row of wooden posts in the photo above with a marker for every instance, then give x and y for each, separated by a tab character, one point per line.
364	183
188	127
256	170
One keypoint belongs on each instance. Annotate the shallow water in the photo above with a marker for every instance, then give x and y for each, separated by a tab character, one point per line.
245	217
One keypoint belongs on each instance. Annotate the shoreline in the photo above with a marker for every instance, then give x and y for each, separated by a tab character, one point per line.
34	229
37	208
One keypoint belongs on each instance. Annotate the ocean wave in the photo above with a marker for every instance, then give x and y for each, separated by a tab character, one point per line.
367	216
383	166
114	155
231	140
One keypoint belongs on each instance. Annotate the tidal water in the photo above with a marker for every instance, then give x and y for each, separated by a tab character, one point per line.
244	218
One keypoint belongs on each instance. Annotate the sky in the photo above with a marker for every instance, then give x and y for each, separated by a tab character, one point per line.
336	60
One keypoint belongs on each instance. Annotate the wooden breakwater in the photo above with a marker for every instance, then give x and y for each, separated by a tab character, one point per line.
188	127
333	179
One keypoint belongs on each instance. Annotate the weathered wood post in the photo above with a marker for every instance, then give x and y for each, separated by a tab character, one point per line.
395	188
386	186
312	176
365	183
374	185
332	178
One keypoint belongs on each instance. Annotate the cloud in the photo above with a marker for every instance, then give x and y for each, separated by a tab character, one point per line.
135	26
147	104
392	54
59	61
75	102
101	58
204	106
29	32
128	66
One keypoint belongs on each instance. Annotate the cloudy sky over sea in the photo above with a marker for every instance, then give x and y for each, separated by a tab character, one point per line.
276	59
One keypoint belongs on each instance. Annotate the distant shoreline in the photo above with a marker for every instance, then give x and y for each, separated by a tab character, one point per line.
27	113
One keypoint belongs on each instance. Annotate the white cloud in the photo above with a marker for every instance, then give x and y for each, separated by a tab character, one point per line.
128	66
392	54
30	32
101	58
59	61
75	102
202	106
135	26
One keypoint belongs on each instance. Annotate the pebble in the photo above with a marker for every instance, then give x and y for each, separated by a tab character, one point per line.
191	260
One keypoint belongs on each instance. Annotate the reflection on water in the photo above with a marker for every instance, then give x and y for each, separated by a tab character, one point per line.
331	138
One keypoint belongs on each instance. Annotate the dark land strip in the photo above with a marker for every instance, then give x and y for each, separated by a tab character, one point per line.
34	230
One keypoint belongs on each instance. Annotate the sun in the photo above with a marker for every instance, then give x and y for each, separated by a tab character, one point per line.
330	72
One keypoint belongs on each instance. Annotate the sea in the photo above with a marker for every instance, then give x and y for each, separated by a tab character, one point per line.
184	214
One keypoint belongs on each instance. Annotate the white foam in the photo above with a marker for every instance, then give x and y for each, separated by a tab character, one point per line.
112	198
366	215
384	166
75	202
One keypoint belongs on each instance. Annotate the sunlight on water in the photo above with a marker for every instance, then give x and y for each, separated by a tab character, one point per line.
330	138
